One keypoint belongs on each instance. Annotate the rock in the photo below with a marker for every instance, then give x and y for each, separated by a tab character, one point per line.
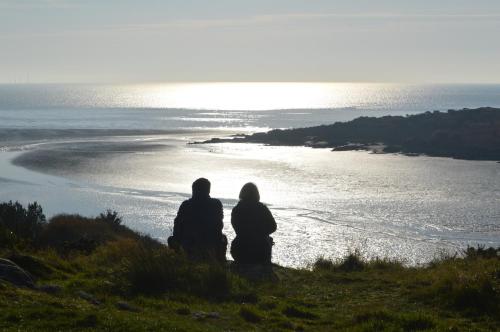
12	273
127	307
213	314
88	297
50	289
350	147
35	266
199	315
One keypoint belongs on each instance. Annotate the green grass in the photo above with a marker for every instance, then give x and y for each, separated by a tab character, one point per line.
168	292
452	295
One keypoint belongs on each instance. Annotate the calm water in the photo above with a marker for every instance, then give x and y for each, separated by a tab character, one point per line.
325	203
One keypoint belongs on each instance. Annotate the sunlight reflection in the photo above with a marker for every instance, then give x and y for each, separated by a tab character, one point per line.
252	96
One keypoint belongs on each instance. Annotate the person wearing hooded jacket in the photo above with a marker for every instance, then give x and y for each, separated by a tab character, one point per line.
253	223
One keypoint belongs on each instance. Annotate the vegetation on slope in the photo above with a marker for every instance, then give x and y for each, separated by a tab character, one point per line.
465	134
96	273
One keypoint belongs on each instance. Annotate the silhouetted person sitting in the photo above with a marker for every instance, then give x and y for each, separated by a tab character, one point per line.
198	225
253	222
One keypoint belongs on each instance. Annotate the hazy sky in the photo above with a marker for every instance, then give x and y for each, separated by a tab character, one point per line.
253	40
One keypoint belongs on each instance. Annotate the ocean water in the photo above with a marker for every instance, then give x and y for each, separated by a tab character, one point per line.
87	148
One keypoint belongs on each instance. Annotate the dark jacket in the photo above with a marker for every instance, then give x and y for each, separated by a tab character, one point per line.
198	227
253	223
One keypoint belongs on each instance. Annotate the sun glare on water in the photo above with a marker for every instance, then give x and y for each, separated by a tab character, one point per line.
248	96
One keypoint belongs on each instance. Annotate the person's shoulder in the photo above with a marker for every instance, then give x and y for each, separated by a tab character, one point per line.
187	203
263	206
216	202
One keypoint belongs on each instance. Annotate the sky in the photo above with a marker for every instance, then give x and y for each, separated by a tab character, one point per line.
95	41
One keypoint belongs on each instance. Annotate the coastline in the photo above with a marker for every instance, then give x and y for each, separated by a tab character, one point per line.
470	134
149	203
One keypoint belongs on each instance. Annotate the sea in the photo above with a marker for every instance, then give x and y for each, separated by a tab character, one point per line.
82	148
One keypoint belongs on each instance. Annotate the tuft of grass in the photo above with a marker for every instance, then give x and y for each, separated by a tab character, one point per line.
155	271
250	315
382	320
417	322
322	264
385	264
352	262
88	321
474	292
293	311
470	284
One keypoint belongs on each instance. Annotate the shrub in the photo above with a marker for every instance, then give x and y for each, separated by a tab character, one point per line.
481	252
7	237
110	217
67	233
24	223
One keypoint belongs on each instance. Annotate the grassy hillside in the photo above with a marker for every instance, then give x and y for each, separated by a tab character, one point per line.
116	279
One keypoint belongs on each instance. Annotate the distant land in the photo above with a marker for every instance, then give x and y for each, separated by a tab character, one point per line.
472	134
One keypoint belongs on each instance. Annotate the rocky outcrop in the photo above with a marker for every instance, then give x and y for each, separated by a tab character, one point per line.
12	273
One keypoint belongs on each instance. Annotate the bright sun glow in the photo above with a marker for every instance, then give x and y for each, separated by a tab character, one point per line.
250	96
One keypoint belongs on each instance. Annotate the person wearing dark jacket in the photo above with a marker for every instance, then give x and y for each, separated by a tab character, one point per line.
253	223
198	225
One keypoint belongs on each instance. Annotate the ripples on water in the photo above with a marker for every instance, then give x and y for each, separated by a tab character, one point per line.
325	203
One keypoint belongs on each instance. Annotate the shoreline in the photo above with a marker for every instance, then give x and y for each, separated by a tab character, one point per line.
152	210
468	134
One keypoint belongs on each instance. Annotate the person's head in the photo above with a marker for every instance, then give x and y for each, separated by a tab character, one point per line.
250	193
201	188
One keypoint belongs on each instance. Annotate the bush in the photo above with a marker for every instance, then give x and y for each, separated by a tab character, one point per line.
68	233
7	238
24	223
110	217
481	252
